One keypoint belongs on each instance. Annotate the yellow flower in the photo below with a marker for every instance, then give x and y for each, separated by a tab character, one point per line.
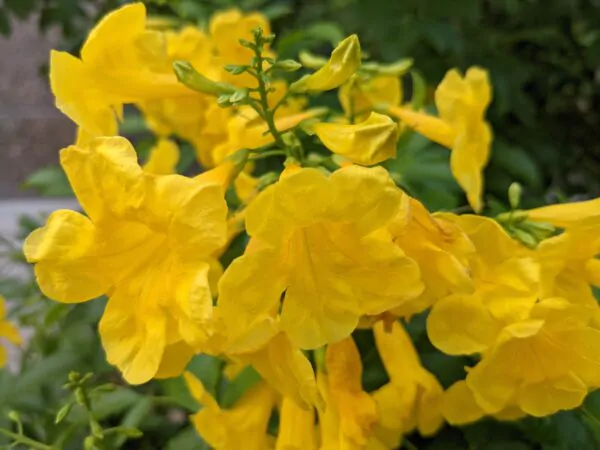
410	400
544	364
367	143
505	276
163	158
120	63
461	103
440	248
342	64
351	413
147	243
297	430
459	407
8	331
318	244
359	96
567	214
569	263
243	426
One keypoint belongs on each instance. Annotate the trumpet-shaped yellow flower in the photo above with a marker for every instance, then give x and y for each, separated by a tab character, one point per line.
566	215
544	364
359	96
461	103
242	426
411	399
440	248
342	64
351	413
320	249
297	429
147	243
8	331
569	263
367	143
163	158
121	62
506	282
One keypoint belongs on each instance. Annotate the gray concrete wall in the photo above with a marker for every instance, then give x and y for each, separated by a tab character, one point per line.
32	130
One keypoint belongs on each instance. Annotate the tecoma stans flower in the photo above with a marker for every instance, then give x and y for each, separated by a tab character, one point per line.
319	242
163	158
8	331
367	143
121	62
543	364
359	96
351	413
297	429
147	243
461	103
342	64
243	426
506	286
411	398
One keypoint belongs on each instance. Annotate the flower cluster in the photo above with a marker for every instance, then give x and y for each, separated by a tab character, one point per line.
334	245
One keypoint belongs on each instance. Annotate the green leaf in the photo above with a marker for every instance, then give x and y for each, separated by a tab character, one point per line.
135	417
5	26
187	439
49	181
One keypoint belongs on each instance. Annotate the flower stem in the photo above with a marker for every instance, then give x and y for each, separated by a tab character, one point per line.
26	441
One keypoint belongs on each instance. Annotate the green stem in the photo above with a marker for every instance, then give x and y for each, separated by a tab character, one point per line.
25	440
267	114
268	153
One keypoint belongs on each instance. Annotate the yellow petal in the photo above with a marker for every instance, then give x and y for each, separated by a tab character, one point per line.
11	333
296	427
358	411
174	361
550	396
429	126
287	370
367	143
343	62
369	195
566	214
199	393
163	158
470	155
462	325
458	405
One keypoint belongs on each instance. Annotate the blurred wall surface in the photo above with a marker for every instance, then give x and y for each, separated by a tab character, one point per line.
32	130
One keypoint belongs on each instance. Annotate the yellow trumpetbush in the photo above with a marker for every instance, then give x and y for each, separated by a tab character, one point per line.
163	158
411	398
367	143
569	263
543	364
342	64
351	413
565	215
440	248
244	425
326	256
297	429
459	407
359	95
8	331
146	242
506	282
461	103
120	63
